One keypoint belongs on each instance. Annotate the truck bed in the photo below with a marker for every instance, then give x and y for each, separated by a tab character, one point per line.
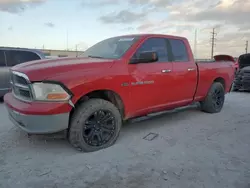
206	70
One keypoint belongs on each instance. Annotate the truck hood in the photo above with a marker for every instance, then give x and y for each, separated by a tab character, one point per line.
47	68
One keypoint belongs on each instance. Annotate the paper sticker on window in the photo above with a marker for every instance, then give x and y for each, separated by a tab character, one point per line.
126	39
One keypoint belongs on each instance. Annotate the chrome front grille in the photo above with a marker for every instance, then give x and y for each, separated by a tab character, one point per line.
20	85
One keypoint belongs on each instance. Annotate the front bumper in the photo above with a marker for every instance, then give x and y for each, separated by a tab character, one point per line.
35	123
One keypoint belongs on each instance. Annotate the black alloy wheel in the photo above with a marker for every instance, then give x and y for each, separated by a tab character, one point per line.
218	98
215	98
95	124
99	128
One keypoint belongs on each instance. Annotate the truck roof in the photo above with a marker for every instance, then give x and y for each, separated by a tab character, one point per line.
153	35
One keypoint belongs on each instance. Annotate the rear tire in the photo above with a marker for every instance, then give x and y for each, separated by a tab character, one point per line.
214	100
90	121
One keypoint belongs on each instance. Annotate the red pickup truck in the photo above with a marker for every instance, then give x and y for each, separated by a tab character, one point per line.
116	79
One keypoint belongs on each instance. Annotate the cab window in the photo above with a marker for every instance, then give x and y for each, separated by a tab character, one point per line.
179	50
154	44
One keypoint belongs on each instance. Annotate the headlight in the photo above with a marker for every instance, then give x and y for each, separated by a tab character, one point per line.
49	92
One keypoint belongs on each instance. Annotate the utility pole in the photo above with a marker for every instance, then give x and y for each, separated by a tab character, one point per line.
195	43
246	46
67	40
213	43
76	51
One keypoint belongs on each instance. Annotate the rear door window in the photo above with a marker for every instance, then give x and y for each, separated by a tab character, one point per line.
15	57
2	59
179	50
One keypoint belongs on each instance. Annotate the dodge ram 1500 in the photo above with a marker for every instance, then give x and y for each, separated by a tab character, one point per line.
116	79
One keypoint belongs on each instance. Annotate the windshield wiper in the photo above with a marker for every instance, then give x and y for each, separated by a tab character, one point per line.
93	56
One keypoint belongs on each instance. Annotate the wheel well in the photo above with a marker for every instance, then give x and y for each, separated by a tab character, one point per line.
107	95
221	80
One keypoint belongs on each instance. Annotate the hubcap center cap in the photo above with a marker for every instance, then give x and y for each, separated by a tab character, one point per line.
97	126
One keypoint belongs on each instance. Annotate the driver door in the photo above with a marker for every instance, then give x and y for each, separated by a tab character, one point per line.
151	81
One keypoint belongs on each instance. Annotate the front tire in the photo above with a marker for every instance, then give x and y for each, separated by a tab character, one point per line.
94	125
214	100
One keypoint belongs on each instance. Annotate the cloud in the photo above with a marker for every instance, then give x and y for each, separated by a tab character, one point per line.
234	12
18	6
230	18
153	3
98	3
49	24
124	17
128	29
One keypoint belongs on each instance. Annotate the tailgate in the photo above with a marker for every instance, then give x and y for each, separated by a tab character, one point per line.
224	58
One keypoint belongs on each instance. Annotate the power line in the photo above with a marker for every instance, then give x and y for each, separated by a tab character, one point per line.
246	46
213	43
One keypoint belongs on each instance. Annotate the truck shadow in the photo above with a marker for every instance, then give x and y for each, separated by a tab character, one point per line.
133	127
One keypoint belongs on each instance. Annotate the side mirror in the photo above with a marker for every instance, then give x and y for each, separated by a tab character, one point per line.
145	57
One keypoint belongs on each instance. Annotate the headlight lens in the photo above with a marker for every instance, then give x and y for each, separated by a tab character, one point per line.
49	92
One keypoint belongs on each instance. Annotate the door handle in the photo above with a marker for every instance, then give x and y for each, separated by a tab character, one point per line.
191	69
166	71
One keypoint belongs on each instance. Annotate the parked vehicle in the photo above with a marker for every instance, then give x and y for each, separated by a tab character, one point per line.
116	79
10	57
236	64
242	79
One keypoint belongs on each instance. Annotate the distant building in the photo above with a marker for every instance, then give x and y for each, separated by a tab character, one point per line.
61	53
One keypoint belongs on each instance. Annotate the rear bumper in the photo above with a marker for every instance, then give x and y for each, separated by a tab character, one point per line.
36	123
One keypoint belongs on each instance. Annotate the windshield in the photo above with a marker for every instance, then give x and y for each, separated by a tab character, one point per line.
112	48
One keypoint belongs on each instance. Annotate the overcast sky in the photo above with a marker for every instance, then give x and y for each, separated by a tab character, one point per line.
38	23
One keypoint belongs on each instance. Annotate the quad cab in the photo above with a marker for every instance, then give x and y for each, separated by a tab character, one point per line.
115	80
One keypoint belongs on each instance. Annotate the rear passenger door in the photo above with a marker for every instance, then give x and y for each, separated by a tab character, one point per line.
185	71
4	74
15	57
151	81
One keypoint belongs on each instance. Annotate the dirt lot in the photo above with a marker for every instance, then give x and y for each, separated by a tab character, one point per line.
193	149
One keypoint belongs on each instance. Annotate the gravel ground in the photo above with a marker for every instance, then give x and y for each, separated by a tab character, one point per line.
193	149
